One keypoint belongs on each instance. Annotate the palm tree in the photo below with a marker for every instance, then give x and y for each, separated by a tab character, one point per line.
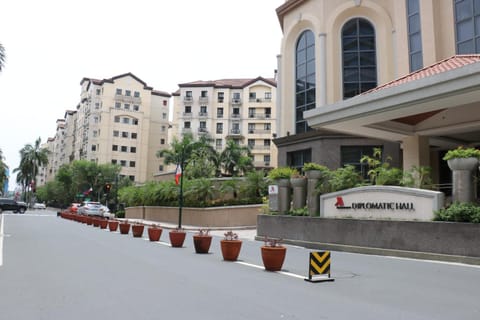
3	171
236	159
2	57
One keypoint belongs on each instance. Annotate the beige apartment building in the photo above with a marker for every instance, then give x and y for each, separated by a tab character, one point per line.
403	75
120	120
239	109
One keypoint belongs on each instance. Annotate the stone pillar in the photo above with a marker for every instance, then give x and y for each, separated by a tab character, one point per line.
284	195
322	74
462	178
299	192
313	199
416	152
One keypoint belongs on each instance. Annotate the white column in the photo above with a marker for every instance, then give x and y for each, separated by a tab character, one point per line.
416	152
322	63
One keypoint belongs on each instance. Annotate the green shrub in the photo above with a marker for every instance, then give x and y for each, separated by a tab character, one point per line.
340	179
313	166
282	173
462	152
459	212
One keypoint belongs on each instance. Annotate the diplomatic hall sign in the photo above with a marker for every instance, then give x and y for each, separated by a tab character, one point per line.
382	202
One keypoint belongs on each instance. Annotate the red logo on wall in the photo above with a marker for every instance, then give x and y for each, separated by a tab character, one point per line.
340	204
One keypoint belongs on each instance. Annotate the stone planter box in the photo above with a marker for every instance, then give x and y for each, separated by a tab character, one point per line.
462	163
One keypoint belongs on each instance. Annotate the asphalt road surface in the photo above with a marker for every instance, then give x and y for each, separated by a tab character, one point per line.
52	268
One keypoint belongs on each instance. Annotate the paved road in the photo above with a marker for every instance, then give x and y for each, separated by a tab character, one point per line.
58	269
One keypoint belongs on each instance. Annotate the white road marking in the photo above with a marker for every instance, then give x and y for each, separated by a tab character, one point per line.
285	273
1	240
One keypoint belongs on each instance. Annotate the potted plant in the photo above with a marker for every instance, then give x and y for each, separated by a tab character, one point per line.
137	229
282	175
273	254
154	232
313	170
113	225
124	227
230	246
202	240
462	158
103	223
177	237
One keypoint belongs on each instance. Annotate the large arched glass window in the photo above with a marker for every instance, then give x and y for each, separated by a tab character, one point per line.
467	26
359	57
304	79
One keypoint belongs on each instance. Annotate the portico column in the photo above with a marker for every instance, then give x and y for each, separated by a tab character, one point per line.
322	72
416	152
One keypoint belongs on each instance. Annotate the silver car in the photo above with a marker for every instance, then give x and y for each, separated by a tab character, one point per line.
91	209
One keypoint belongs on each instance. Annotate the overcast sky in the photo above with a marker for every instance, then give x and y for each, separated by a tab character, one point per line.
52	44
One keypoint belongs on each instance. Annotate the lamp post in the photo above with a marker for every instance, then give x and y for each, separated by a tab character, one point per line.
180	200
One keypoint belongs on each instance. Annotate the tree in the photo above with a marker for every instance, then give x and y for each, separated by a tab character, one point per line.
236	159
2	57
3	171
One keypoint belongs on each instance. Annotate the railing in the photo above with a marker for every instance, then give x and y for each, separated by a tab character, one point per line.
236	101
187	99
203	114
203	99
235	131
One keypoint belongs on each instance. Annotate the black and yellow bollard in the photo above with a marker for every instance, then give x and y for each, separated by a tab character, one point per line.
319	267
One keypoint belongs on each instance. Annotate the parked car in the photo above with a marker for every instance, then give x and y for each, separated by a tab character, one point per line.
39	206
12	205
91	208
106	212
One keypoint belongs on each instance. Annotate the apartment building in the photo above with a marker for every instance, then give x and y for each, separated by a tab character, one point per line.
402	75
239	109
120	120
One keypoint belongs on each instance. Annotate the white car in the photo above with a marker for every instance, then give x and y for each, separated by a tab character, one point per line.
39	206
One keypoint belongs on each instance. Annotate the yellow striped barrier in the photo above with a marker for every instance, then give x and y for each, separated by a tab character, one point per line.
319	267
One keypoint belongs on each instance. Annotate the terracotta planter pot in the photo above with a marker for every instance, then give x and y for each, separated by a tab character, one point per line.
137	230
154	234
103	223
202	243
124	228
177	238
273	257
89	220
95	222
113	225
230	249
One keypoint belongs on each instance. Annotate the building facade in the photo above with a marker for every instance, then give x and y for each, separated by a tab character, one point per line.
239	109
354	74
120	120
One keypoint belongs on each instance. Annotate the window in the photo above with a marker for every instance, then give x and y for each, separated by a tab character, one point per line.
266	159
268	96
95	119
163	128
251	143
132	164
162	141
124	134
114	161
160	168
123	148
114	147
136	107
116	119
203	94
95	133
118	91
236	111
164	116
296	159
128	93
135	122
351	155
187	124
219	127
133	135
359	57
136	94
188	109
267	126
188	94
94	147
127	106
203	124
467	26
304	79
251	112
251	127
116	133
203	110
133	149
268	112
118	105
414	35
236	97
132	178
219	112
123	163
98	92
126	120
220	97
97	105
165	103
218	143
266	142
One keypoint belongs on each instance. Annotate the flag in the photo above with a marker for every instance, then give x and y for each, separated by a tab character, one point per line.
178	174
88	191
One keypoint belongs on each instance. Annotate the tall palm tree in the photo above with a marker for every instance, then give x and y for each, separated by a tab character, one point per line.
2	57
236	159
31	158
3	171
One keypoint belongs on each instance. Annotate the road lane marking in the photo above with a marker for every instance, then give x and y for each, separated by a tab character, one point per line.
1	240
285	273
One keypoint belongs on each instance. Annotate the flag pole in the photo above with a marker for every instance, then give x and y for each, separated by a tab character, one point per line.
180	202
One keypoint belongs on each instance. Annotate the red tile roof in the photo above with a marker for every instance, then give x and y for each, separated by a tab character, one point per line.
228	83
448	64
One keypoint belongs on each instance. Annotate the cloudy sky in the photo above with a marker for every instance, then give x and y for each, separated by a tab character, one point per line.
52	44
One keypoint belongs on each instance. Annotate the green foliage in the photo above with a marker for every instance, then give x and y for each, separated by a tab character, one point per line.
236	160
313	166
255	186
417	177
282	173
340	179
462	152
380	172
459	212
299	212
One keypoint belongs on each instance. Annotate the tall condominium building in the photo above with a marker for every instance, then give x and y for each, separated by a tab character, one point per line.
239	109
120	120
402	75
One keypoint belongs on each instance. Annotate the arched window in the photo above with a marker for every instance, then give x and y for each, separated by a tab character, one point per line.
304	79
467	26
359	57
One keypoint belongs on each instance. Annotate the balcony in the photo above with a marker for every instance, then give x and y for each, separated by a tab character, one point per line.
128	99
219	115
235	131
261	147
187	99
236	101
220	100
236	115
218	147
186	130
203	114
203	99
187	114
202	130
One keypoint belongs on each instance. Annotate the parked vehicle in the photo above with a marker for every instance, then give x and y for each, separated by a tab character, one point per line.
91	208
39	206
12	205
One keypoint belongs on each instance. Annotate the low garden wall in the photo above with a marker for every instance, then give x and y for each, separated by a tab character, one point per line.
430	240
231	216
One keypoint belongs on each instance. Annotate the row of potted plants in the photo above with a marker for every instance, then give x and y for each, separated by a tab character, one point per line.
273	254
